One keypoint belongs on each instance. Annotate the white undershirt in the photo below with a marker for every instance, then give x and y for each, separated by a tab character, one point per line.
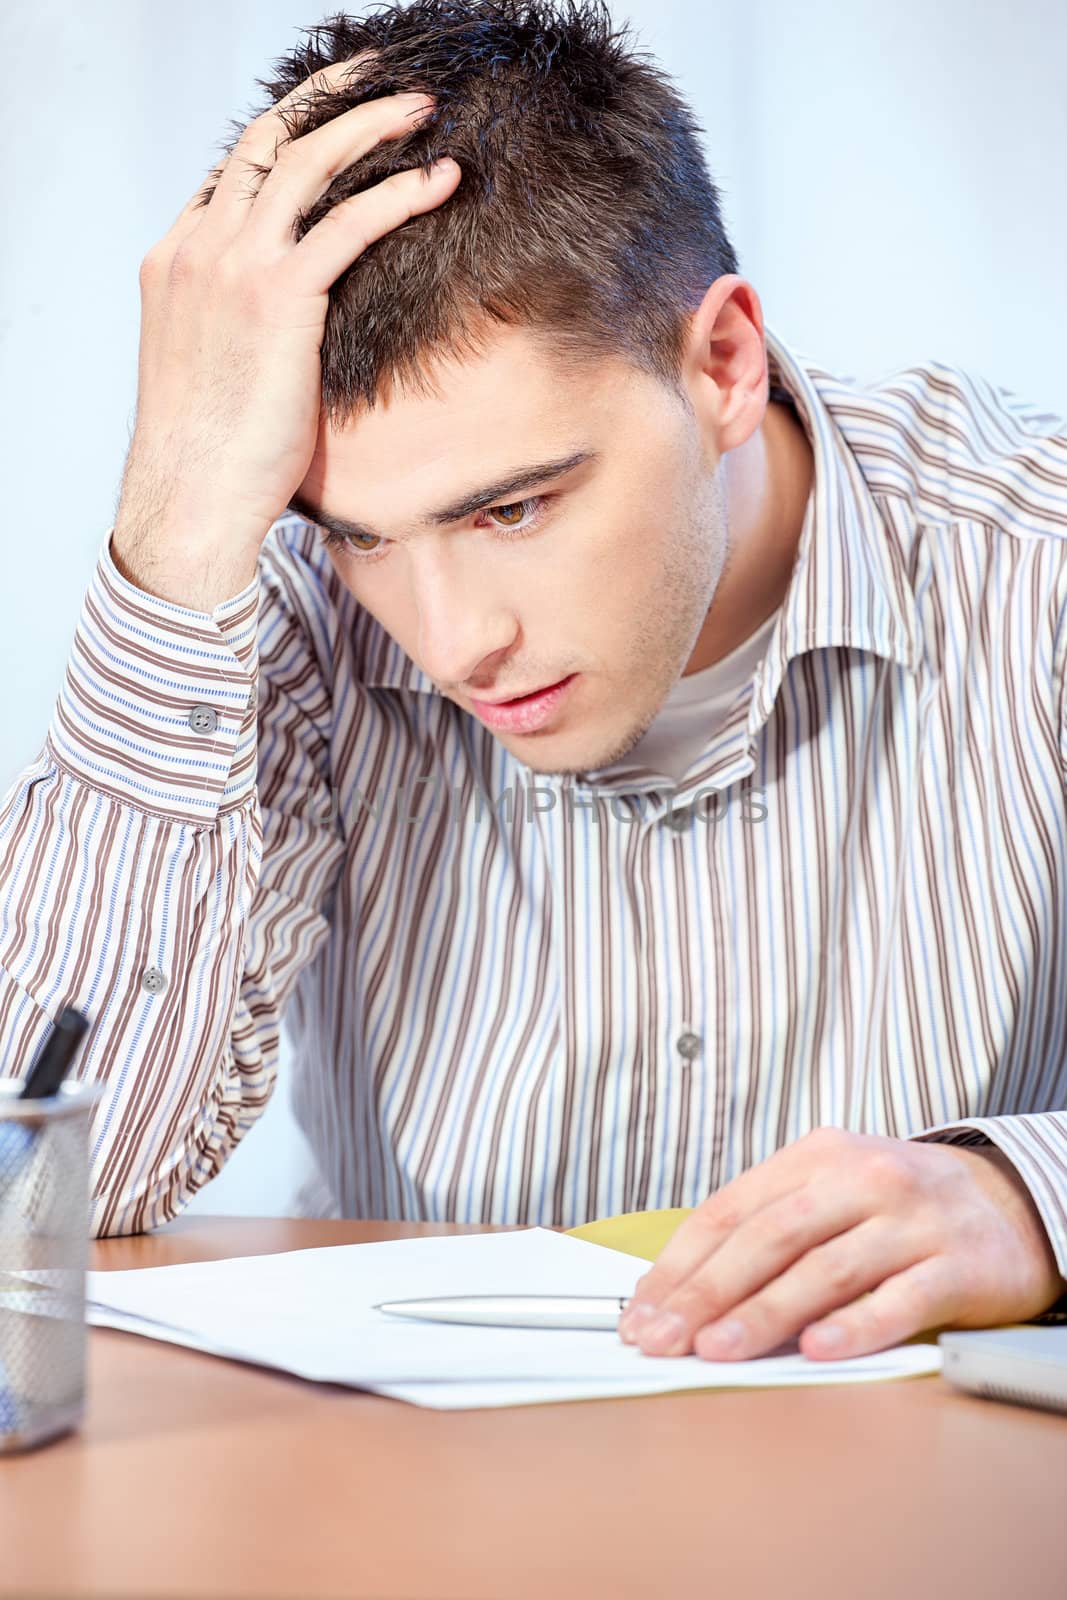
696	708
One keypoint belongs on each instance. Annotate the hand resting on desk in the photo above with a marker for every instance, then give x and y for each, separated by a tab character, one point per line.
873	1238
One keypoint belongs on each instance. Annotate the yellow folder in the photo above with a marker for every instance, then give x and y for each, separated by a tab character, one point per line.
635	1233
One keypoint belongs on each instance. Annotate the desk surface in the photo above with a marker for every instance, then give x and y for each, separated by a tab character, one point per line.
197	1476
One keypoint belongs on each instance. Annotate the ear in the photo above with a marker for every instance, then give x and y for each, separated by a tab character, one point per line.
725	363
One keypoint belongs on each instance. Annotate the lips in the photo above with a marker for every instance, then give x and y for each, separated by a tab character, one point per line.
511	699
524	713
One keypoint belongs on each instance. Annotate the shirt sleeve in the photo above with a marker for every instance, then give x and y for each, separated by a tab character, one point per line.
165	868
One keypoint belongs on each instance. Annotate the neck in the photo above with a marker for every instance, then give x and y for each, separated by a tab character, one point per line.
766	483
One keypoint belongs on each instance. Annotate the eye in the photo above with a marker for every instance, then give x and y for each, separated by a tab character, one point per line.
367	549
511	515
351	543
512	512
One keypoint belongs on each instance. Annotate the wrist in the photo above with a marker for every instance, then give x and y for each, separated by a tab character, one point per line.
171	566
1056	1308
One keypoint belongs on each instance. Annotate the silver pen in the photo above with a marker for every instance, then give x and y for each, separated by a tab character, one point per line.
515	1310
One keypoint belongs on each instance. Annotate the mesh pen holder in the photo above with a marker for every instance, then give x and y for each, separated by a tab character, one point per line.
44	1243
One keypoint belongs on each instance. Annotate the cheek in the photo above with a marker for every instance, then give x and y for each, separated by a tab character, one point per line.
628	566
626	536
388	602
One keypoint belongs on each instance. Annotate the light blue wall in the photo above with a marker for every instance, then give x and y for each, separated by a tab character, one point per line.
893	179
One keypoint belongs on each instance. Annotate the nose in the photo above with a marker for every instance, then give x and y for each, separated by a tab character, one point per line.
465	631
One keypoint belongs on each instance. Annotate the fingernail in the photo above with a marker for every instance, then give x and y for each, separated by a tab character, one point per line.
663	1333
829	1337
636	1316
726	1335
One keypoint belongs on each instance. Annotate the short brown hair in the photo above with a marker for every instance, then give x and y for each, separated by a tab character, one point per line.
584	212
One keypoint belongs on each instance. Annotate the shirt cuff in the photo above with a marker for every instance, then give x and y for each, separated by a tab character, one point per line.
1036	1144
157	708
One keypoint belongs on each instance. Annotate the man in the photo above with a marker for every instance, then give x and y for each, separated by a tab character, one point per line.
631	758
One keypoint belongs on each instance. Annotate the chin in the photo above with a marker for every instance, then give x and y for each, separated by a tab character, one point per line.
556	758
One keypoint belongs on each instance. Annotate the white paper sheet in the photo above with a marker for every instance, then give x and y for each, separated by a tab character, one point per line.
309	1312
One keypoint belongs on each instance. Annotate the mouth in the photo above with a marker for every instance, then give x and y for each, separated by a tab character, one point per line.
524	713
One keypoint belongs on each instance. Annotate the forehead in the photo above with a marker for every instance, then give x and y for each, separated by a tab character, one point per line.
516	395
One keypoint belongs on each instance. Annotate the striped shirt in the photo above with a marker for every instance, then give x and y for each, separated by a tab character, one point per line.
517	998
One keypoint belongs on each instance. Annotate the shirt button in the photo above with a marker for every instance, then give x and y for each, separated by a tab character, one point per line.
203	719
153	980
678	820
252	697
689	1045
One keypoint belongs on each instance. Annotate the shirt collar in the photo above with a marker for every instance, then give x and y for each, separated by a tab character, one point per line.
848	586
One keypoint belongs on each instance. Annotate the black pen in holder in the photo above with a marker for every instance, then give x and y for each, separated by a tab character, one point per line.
44	1236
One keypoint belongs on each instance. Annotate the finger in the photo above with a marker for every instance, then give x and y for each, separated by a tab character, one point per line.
269	124
754	1254
191	214
701	1234
332	245
831	1275
919	1300
305	168
259	142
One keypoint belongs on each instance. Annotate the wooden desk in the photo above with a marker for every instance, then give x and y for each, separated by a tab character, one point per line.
196	1476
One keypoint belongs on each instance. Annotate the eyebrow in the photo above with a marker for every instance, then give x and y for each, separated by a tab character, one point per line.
514	483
